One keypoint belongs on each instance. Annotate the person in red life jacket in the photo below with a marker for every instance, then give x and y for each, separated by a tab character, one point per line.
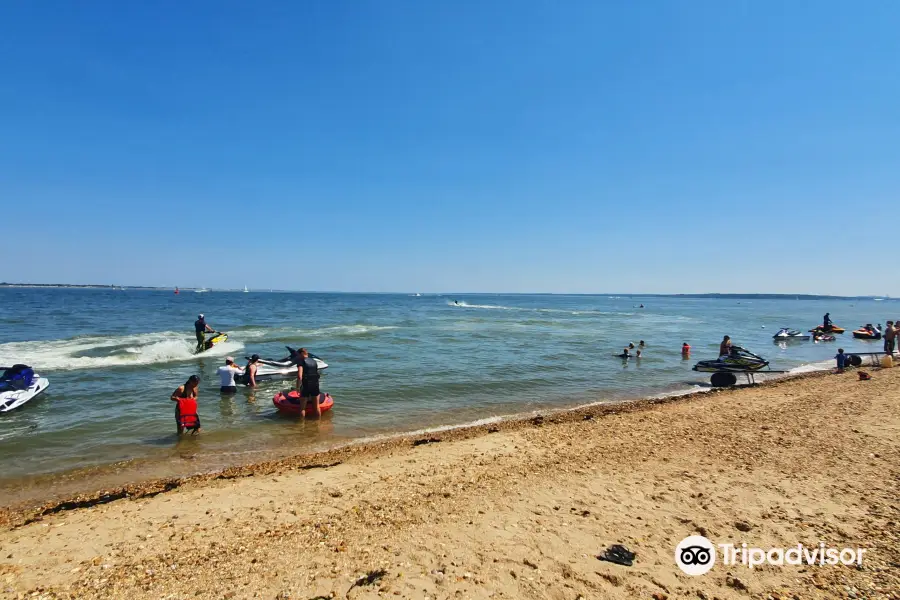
685	350
185	399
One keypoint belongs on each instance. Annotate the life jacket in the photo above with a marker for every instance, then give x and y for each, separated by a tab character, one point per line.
187	413
685	349
310	371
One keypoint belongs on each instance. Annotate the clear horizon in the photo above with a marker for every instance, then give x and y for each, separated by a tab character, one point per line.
527	148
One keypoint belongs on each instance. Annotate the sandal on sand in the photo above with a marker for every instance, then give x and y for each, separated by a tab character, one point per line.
618	554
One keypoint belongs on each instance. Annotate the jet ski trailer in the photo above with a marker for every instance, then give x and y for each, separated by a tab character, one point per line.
18	385
725	369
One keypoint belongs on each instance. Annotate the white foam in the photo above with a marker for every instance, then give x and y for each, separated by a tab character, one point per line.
112	351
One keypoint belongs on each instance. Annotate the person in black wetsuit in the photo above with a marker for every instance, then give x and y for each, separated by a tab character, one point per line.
201	329
826	322
308	382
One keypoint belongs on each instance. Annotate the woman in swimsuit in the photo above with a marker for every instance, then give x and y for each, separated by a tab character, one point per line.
185	399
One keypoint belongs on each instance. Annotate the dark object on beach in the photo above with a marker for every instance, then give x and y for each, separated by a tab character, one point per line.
723	379
368	579
618	554
863	376
855	360
538	420
587	417
432	440
493	429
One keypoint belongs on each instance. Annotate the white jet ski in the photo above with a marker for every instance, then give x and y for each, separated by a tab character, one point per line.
268	369
786	335
18	385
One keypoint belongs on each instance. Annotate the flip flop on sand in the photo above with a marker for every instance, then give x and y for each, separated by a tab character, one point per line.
618	554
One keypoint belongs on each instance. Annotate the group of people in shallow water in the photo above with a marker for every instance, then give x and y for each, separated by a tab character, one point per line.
639	350
185	396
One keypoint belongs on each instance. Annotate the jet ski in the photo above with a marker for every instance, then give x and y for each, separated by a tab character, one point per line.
215	340
268	369
739	360
785	335
867	333
830	329
18	385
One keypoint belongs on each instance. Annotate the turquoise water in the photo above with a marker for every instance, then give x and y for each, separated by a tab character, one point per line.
397	363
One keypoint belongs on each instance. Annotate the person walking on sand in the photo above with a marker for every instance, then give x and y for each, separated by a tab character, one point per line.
185	399
201	329
226	376
308	382
725	346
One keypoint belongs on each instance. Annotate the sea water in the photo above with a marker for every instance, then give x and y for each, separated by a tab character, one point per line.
398	362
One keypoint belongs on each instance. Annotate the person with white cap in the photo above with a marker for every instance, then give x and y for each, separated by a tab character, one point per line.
226	376
201	329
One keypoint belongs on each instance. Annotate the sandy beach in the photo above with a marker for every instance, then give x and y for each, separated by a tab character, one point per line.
519	510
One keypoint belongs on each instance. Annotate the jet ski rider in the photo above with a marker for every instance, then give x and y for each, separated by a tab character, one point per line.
201	329
308	381
826	322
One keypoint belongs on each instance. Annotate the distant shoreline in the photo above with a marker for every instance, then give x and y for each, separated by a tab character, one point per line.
619	295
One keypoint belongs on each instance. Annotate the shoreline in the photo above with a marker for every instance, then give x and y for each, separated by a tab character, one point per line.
30	510
520	512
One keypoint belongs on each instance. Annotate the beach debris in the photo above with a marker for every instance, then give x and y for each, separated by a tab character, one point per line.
368	579
735	583
431	440
743	526
618	554
538	420
494	429
863	375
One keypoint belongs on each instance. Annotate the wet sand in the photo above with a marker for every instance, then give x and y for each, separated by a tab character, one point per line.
516	510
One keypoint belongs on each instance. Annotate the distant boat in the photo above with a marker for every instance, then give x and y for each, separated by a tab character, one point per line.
176	290
878	299
201	291
245	289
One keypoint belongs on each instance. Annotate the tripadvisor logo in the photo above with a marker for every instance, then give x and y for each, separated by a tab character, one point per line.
696	555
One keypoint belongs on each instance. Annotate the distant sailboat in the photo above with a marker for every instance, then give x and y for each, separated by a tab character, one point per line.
245	289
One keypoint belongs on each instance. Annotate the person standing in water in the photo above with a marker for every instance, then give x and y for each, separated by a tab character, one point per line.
725	346
250	371
201	329
308	382
685	350
226	376
185	399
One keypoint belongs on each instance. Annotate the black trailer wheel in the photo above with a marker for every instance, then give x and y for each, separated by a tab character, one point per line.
855	360
723	379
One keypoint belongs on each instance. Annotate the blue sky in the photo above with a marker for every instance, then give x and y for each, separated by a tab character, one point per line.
392	145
